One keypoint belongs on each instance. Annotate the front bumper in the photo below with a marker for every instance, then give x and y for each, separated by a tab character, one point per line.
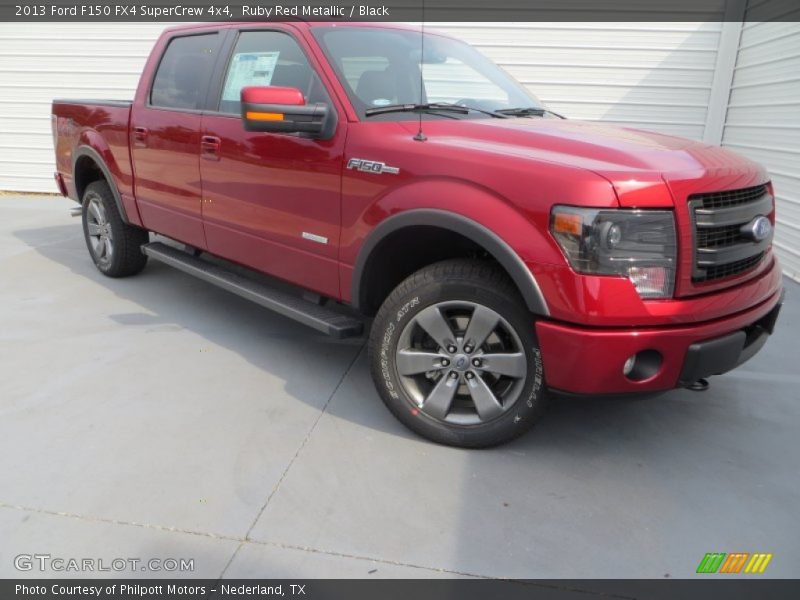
583	360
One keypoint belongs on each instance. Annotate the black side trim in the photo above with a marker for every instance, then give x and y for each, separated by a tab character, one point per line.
476	232
91	153
712	357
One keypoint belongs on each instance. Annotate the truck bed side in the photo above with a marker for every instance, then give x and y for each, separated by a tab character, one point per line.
91	138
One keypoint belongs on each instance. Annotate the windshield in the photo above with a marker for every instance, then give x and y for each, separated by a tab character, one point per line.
382	67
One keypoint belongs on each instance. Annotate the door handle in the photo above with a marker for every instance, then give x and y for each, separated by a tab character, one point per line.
209	147
140	136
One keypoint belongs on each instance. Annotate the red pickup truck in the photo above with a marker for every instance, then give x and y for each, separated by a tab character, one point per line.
502	250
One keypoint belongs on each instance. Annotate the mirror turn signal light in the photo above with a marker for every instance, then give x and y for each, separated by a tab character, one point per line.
264	116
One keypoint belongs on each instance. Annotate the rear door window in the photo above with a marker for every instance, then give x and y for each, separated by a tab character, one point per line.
184	72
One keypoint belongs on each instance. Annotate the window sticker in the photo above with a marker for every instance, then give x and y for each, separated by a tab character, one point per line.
249	68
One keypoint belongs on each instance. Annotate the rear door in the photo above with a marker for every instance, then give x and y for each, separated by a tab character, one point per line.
165	135
272	201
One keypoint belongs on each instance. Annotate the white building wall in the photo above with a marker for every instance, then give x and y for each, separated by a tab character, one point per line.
763	122
650	75
42	61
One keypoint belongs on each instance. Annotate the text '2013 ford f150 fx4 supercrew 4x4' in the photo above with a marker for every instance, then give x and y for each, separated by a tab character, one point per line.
503	250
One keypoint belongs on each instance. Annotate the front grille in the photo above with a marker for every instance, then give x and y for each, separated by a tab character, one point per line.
729	270
716	237
731	198
722	248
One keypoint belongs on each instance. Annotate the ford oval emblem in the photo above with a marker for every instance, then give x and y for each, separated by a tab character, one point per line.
758	229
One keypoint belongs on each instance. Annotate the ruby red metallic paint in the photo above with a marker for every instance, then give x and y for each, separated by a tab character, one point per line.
586	360
252	202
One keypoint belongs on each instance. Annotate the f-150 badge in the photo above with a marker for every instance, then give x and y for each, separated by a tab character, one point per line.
371	166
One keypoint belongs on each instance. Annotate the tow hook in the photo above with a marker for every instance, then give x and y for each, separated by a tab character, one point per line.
701	385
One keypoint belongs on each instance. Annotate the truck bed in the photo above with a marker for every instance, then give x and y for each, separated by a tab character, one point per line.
100	125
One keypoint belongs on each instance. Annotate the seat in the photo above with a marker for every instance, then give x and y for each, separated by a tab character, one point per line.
295	76
376	85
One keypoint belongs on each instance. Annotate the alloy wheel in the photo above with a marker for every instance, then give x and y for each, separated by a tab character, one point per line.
461	362
99	231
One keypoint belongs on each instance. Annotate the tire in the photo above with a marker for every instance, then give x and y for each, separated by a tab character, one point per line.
428	386
114	246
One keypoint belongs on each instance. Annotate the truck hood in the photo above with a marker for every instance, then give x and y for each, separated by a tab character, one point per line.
637	163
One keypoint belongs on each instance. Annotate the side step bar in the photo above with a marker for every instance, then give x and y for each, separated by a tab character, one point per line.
318	317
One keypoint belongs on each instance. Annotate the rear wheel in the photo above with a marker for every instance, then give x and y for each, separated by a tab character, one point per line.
114	246
454	355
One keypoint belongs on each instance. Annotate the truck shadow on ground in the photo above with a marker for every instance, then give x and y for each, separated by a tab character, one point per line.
173	301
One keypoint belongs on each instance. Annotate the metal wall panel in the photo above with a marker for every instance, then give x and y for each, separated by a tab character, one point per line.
42	61
763	122
647	75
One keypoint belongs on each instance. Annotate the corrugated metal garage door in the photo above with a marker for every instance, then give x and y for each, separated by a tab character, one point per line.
655	76
763	121
650	75
45	60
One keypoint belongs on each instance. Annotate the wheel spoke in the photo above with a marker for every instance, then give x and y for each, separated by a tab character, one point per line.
436	326
93	228
481	324
108	248
438	402
411	362
101	212
94	212
485	401
100	248
512	365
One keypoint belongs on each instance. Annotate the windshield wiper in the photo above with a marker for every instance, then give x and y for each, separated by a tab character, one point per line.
431	107
380	110
529	111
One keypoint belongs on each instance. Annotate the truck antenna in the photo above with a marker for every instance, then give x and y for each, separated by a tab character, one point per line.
421	137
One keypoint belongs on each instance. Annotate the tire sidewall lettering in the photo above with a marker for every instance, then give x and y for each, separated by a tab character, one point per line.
387	346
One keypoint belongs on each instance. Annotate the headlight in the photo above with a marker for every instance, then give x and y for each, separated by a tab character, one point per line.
637	244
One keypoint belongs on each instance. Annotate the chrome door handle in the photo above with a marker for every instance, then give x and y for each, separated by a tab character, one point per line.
210	146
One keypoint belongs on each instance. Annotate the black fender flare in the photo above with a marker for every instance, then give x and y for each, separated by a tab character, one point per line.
98	160
484	237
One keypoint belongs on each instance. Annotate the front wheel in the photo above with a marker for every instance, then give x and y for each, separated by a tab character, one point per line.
454	355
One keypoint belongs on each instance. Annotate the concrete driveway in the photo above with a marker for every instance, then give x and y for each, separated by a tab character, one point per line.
160	417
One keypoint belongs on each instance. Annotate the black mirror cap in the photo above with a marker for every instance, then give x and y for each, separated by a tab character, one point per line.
308	119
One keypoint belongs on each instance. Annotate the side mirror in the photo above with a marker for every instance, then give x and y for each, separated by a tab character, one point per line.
281	110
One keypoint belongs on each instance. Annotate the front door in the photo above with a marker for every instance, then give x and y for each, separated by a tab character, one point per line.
272	201
165	138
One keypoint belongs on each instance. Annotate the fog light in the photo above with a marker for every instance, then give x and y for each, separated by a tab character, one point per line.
642	365
628	366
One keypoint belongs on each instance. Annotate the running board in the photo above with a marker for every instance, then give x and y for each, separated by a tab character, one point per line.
318	317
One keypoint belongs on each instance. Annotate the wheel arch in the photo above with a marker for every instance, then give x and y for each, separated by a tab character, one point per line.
369	257
86	166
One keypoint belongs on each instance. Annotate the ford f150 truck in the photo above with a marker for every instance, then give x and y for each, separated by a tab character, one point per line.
337	172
